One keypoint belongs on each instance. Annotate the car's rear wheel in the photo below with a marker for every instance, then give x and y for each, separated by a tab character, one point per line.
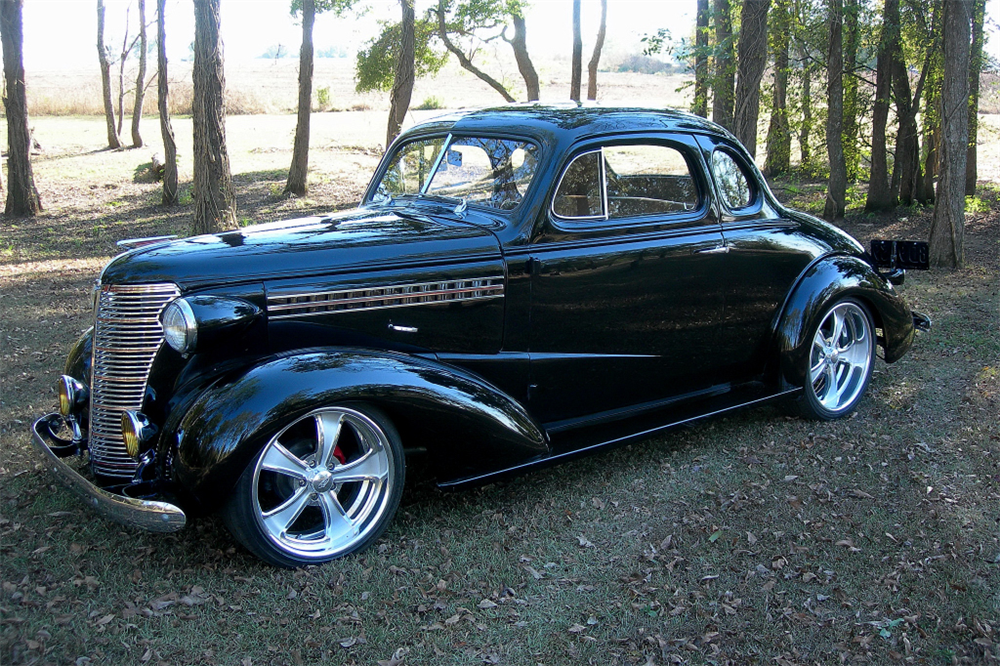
840	360
326	485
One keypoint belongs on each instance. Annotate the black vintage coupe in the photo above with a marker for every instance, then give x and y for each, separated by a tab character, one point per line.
518	286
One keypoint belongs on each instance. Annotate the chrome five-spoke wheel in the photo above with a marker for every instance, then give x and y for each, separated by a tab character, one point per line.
840	361
325	485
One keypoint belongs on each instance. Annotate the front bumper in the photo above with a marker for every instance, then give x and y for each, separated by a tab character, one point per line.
152	516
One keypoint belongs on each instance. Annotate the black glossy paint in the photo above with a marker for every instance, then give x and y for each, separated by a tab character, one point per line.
606	330
473	427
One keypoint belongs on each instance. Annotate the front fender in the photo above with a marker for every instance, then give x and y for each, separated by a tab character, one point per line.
470	427
825	282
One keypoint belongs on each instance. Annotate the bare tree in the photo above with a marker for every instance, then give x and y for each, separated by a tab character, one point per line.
880	197
948	225
102	54
779	138
162	94
700	105
524	65
300	153
975	69
725	65
465	61
402	86
140	79
595	59
577	65
214	198
836	191
750	69
22	197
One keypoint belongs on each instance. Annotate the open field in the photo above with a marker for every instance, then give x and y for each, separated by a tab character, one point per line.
755	539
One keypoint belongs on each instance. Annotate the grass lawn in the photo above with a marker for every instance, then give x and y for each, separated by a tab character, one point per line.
754	539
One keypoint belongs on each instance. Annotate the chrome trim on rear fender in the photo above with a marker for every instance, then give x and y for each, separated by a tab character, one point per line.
149	515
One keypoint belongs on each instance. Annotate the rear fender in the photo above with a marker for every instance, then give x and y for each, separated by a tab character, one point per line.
468	426
829	280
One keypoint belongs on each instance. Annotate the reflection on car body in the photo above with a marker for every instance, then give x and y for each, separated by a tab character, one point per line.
518	286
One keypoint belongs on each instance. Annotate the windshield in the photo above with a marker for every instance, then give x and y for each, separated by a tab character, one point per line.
480	170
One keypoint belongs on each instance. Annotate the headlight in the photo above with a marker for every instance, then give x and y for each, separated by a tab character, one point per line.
180	329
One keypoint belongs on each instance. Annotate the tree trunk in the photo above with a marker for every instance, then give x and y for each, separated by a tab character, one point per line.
836	191
725	66
932	140
975	68
779	139
880	197
577	64
906	168
524	65
121	76
806	103
140	79
595	59
752	59
214	199
102	54
700	105
300	153
402	85
852	110
948	225
166	131
464	60
22	197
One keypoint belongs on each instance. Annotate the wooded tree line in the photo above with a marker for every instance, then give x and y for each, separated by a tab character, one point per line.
900	77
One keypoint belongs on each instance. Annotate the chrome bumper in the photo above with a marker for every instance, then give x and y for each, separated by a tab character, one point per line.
145	514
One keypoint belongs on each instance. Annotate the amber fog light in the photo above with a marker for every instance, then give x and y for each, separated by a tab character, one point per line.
136	431
72	395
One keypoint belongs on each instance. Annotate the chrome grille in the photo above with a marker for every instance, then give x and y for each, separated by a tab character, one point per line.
127	335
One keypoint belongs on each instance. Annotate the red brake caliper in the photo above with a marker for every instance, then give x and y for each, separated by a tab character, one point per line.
339	455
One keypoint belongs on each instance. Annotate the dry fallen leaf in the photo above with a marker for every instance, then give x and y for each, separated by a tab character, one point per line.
584	542
577	628
486	603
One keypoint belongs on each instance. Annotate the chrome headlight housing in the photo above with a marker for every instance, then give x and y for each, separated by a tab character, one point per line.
194	323
180	327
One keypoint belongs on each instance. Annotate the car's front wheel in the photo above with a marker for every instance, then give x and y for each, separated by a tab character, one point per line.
840	360
325	485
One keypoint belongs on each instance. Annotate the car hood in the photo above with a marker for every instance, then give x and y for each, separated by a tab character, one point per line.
354	240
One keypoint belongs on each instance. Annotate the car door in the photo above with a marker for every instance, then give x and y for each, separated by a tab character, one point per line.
625	297
765	255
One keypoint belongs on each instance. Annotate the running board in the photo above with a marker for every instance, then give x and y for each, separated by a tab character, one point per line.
595	439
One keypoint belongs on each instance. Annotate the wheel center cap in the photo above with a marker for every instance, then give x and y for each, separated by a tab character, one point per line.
322	481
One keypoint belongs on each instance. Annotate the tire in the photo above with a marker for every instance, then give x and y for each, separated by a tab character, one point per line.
325	486
839	362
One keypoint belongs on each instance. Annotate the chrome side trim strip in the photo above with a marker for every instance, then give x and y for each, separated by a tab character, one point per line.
310	304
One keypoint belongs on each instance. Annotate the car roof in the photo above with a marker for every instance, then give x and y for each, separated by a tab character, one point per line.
568	121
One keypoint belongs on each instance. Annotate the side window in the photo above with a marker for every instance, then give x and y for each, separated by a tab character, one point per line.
733	183
646	180
579	193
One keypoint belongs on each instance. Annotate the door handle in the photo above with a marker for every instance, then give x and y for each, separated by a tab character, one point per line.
718	249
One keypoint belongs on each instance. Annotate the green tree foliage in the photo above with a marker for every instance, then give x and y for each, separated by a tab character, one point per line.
376	62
